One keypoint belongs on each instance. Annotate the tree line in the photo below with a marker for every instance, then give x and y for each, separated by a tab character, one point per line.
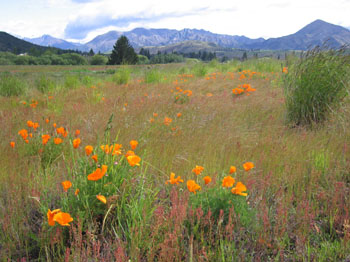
122	53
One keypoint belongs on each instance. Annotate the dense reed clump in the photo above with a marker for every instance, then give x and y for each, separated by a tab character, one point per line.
315	85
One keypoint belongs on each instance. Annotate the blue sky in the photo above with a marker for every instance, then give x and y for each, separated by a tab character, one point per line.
82	20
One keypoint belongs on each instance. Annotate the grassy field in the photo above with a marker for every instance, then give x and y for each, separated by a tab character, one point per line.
182	116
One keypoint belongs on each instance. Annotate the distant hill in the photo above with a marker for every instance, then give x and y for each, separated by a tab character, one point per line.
184	47
311	35
47	40
194	46
140	37
9	43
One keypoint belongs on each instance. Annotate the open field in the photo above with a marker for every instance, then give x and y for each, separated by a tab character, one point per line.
297	206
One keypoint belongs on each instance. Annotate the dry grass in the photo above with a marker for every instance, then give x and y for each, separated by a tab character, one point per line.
299	187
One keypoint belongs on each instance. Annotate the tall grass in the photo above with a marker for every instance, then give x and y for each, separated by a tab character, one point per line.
315	85
297	208
10	85
122	76
44	84
200	69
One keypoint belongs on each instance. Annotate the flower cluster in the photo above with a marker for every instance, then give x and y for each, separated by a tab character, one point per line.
227	181
243	89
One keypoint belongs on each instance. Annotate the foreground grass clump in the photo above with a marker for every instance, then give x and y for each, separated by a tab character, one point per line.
122	76
315	85
10	85
158	184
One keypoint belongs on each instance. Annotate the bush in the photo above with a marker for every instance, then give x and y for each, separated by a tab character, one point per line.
74	59
315	85
142	60
10	85
98	60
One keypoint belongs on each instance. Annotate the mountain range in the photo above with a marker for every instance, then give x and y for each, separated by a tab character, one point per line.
311	35
47	40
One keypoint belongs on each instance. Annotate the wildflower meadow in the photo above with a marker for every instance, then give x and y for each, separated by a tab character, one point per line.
179	162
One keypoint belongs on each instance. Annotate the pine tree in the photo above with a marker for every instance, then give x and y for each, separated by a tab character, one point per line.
91	52
123	53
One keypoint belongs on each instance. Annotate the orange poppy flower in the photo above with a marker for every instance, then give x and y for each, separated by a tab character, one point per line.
102	199
45	138
151	120
174	180
133	144
94	157
76	191
207	180
193	186
98	173
47	120
167	121
59	130
30	123
57	140
285	70
134	160
238	190
233	169
179	115
248	165
117	149
76	142
197	170
106	148
88	150
62	218
35	126
12	144
155	114
23	133
187	92
129	153
54	125
77	132
50	216
228	181
66	185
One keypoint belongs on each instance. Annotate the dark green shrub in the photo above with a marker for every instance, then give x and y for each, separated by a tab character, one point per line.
98	60
315	85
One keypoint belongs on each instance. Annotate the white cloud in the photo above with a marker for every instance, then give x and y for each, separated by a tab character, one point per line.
84	19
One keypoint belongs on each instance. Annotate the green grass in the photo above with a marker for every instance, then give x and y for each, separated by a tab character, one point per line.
297	207
316	85
10	85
